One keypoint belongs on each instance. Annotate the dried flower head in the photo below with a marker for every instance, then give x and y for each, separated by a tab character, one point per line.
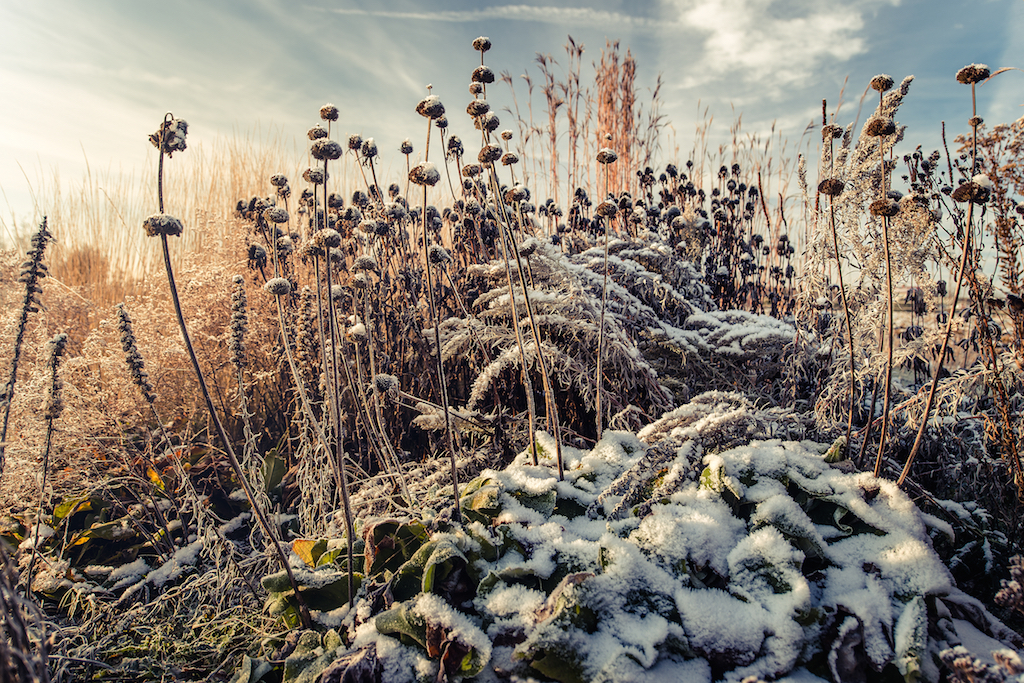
483	74
879	126
239	323
438	255
884	207
329	112
482	44
424	173
472	170
136	367
355	142
831	132
314	176
360	281
607	156
162	224
972	191
478	108
406	147
170	137
833	187
285	246
607	209
973	73
276	214
369	148
476	88
455	147
489	154
386	385
364	262
509	158
441	122
316	132
488	122
326	149
975	121
53	405
278	180
506	135
882	82
430	107
278	286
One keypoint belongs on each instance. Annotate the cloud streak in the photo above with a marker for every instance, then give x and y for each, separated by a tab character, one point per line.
568	16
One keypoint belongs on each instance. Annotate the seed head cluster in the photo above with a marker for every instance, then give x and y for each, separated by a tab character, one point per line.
136	367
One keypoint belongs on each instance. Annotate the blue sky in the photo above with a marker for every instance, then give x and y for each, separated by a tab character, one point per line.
88	81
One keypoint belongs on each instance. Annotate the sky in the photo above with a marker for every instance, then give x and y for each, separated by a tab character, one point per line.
85	83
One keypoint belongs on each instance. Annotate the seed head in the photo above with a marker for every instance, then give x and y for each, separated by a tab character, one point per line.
884	207
516	194
360	281
882	82
607	156
879	126
326	149
506	135
278	286
509	158
975	121
335	201
131	354
276	214
278	180
386	385
438	255
971	191
162	224
257	256
833	187
329	238
424	173
831	132
472	170
239	323
406	147
430	107
337	292
607	209
355	142
972	73
441	122
489	154
170	137
488	122
476	88
369	148
314	176
316	132
53	406
478	108
455	147
483	74
482	44
365	262
329	112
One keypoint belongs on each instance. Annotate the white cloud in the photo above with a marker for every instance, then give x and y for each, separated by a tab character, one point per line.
567	16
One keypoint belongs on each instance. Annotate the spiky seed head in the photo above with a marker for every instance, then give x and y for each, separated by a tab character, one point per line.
607	209
170	137
328	238
833	187
369	148
973	73
478	108
424	173
329	112
472	170
326	149
489	154
509	158
488	122
276	214
476	88
162	224
438	255
483	74
335	201
975	121
364	262
506	135
386	385
607	156
406	147
482	44
515	194
879	126
884	207
831	132
316	132
882	82
278	180
359	198
278	286
430	107
314	176
441	122
455	147
355	142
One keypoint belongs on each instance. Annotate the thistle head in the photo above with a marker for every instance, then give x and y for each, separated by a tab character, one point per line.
162	224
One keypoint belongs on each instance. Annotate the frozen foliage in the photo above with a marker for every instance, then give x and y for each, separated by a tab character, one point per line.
666	558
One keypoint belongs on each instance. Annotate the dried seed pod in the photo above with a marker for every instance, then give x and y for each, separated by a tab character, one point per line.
478	108
276	214
489	154
472	170
162	224
506	135
355	142
607	209
833	187
430	107
278	180
607	156
170	137
975	121
884	207
386	385
509	158
831	132
973	73
482	44
278	286
488	122
406	147
516	194
326	149
476	88
369	148
882	82
971	191
316	132
455	147
424	173
879	126
483	74
314	176
438	255
329	112
364	262
329	238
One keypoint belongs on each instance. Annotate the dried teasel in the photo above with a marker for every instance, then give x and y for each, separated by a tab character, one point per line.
424	173
162	224
833	187
973	73
430	107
